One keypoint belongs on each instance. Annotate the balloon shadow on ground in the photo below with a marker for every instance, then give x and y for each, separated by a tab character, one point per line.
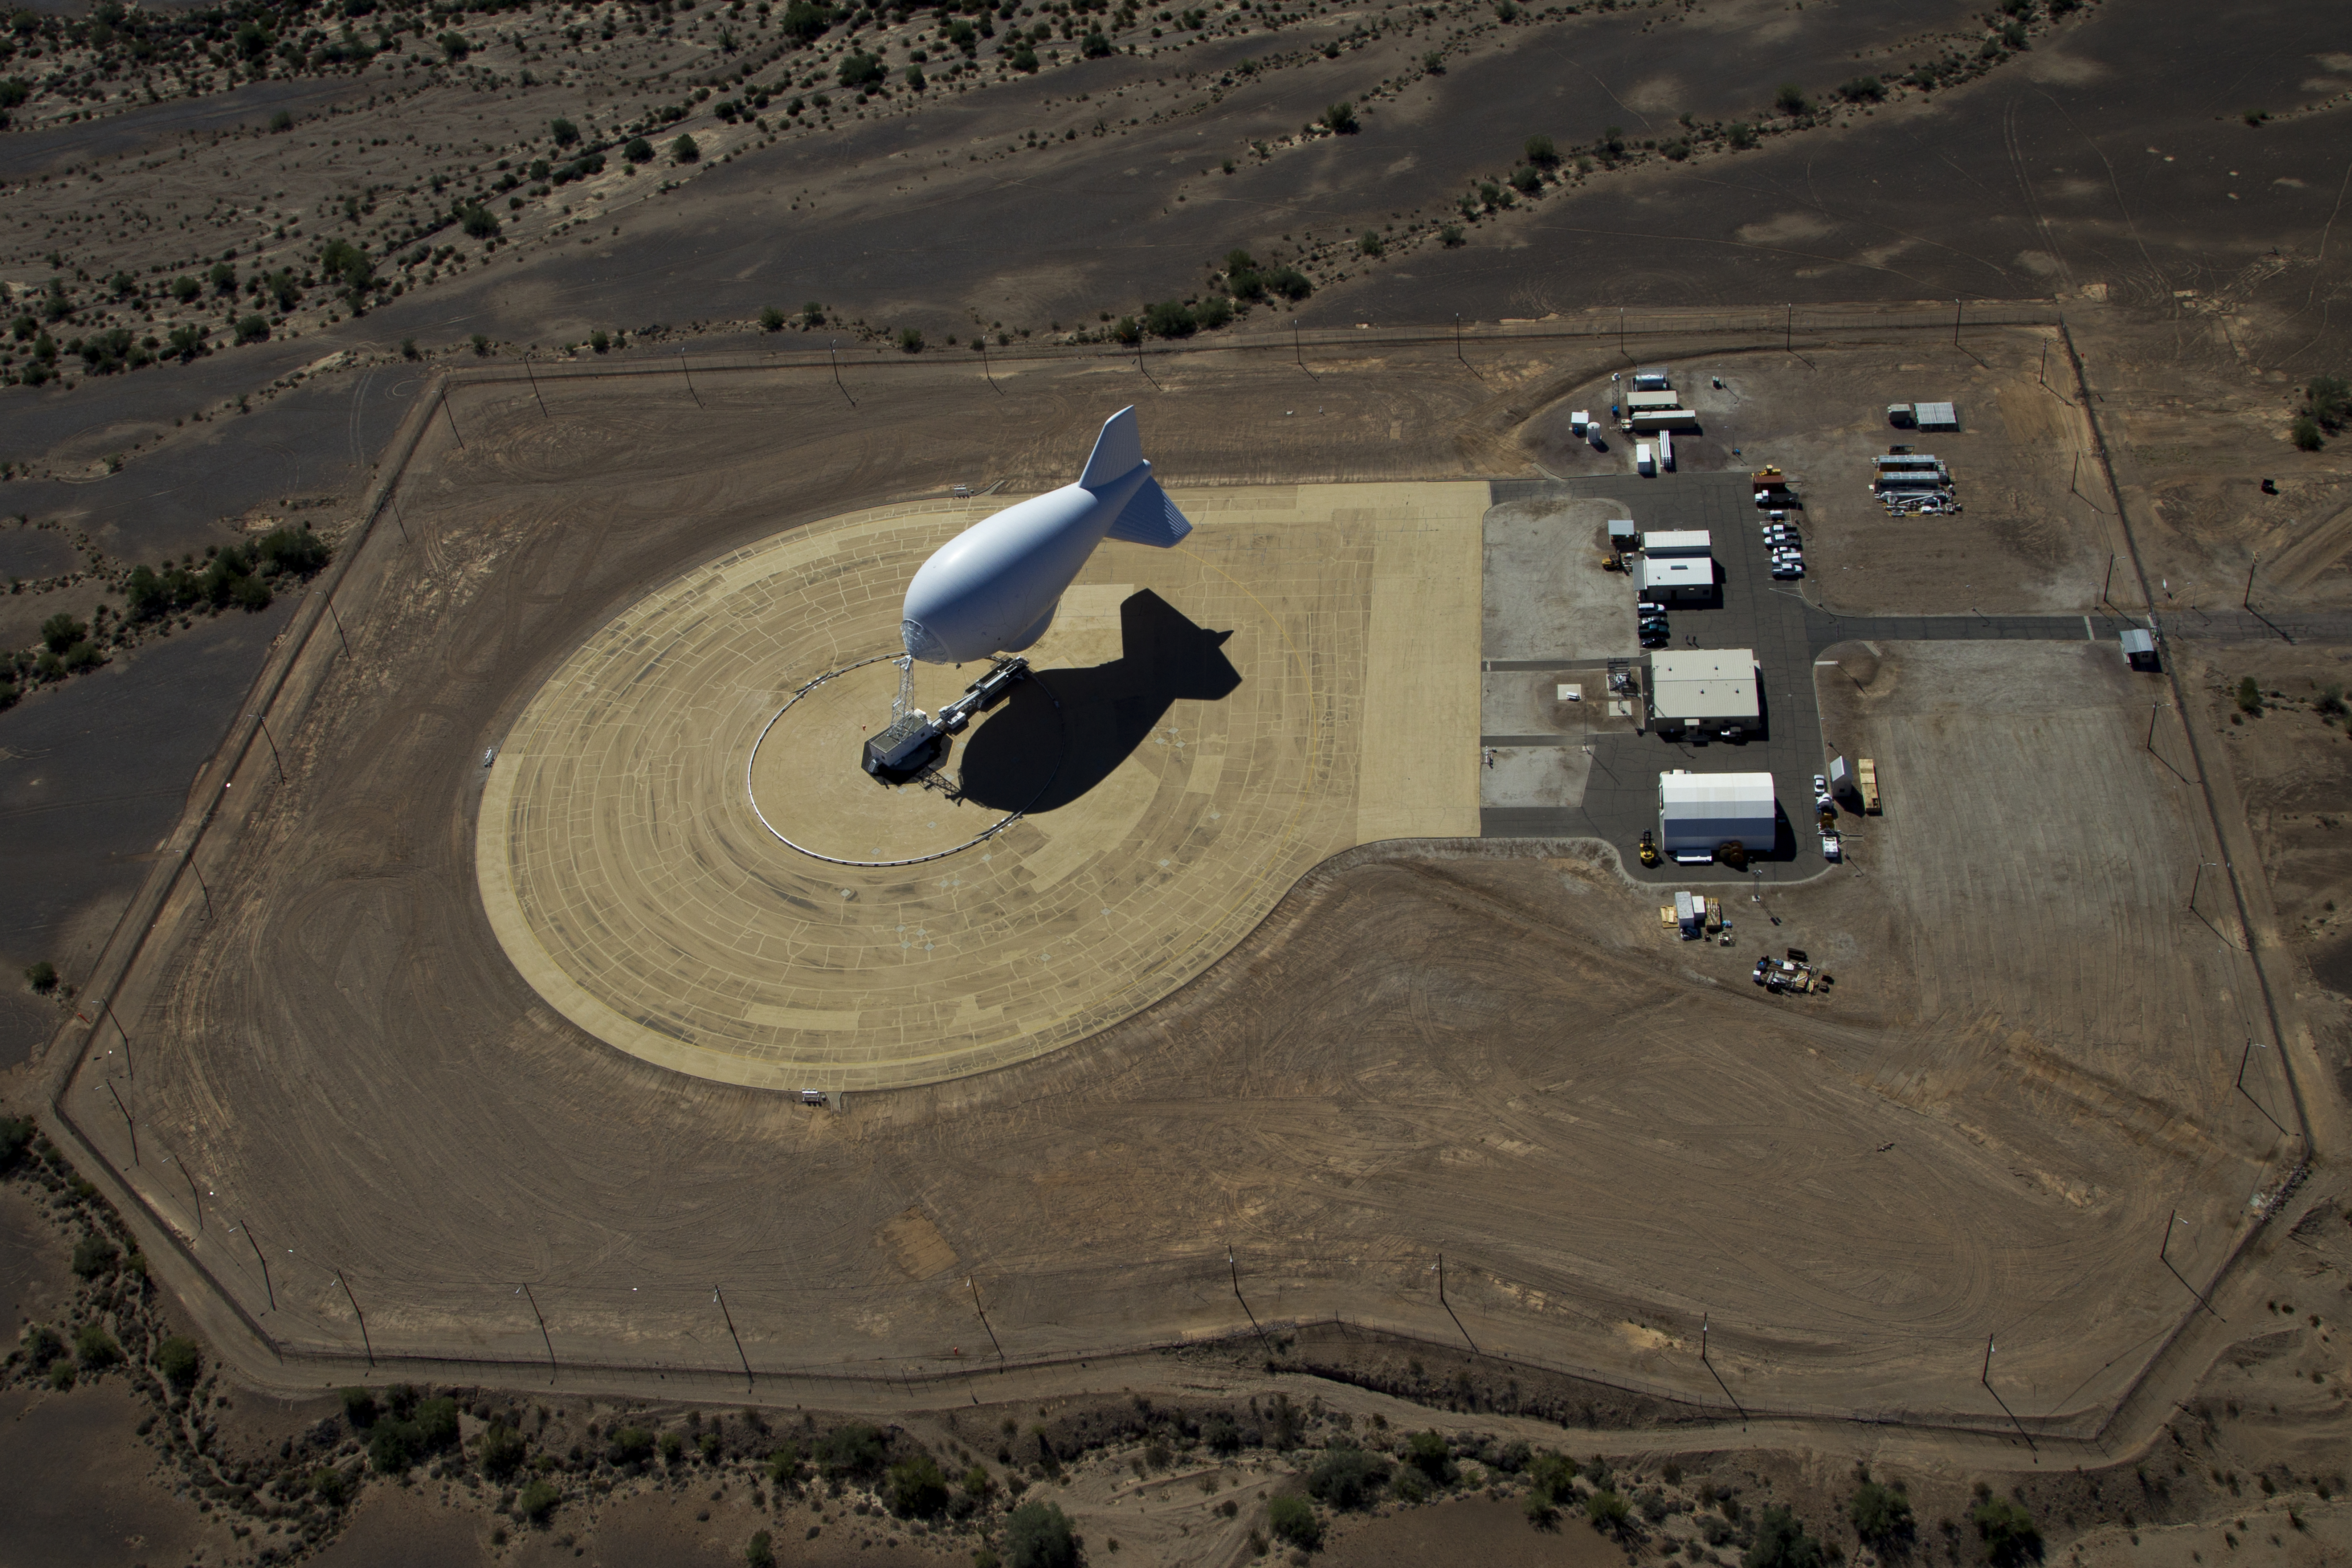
1106	710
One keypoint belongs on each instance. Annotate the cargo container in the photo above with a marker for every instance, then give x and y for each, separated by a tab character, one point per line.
1902	415
1645	460
1640	401
1663	419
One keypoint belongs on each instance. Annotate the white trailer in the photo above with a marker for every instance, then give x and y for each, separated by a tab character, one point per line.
1666	450
1645	460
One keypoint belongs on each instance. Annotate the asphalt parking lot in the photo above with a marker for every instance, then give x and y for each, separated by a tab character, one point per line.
1620	797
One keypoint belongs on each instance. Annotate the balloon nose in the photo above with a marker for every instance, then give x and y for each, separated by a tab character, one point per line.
922	644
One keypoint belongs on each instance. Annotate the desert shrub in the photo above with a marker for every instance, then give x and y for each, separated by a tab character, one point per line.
760	1552
1347	1478
1880	1514
252	330
93	1255
42	977
1342	118
61	631
1128	330
455	47
1370	244
1428	1452
2250	695
1433	62
1863	90
859	68
502	1451
15	1132
2305	433
1781	1542
771	320
563	130
917	1489
1170	319
1038	1535
804	22
856	1450
1527	179
1289	282
1292	1518
1219	1434
282	120
331	1485
42	1346
1608	1511
1451	237
785	1466
2009	1534
685	150
477	221
538	1500
1095	47
95	1348
1213	312
1792	99
911	339
2328	399
358	1408
629	1446
1025	59
393	1446
184	288
1541	152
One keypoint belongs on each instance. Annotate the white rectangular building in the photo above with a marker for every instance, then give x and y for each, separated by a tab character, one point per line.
1705	688
1700	813
1638	401
1667	578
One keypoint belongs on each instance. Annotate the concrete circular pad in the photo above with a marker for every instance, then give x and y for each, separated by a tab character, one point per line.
1205	753
803	794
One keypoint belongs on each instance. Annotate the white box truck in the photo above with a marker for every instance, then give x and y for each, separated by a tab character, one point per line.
1645	460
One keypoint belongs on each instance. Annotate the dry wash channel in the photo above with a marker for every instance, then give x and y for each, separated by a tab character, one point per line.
1208	722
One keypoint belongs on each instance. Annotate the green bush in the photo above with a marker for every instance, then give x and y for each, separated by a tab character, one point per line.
95	1348
760	1552
93	1255
477	221
2328	399
917	1489
295	552
1292	1518
804	21
42	1345
1781	1542
437	1423
1213	312
253	330
455	47
1289	282
1451	237
910	340
1220	1436
1881	1515
1347	1477
2250	696
2009	1534
1370	243
42	978
333	1488
502	1451
358	1408
771	320
1792	99
2306	431
563	130
1863	90
685	150
1342	118
785	1466
1428	1453
1608	1511
1025	59
1095	47
1038	1535
15	1132
856	1449
538	1500
637	150
1526	180
61	631
392	1447
859	68
629	1446
1170	319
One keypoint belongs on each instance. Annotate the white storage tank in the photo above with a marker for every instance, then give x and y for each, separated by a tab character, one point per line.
1650	380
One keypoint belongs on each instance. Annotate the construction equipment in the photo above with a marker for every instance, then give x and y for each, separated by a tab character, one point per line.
1649	848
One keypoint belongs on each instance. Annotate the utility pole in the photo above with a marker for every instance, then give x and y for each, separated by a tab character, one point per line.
338	625
983	1311
134	1126
2153	709
749	1380
194	1196
273	749
544	1337
199	875
1457	337
833	347
689	378
396	520
2198	881
1956	323
983	366
1789	331
2249	601
364	1341
1296	348
452	418
266	1285
528	370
